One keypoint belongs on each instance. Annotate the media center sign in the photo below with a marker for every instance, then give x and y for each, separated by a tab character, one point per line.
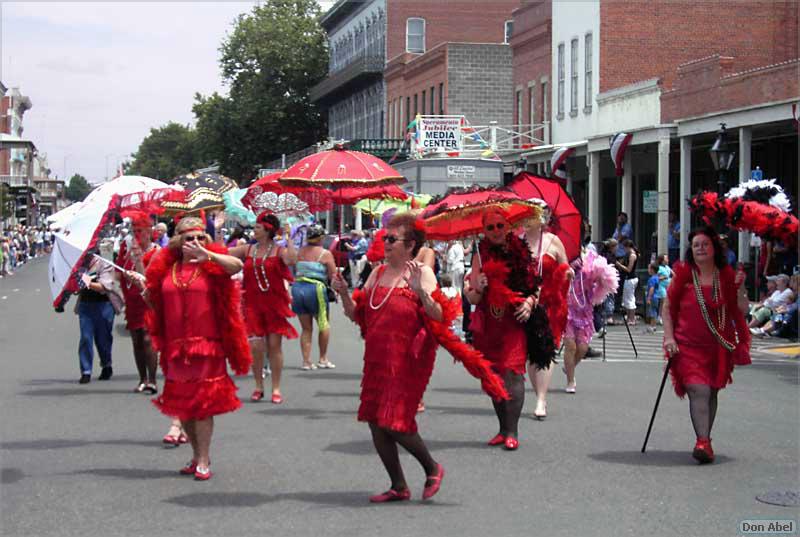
439	133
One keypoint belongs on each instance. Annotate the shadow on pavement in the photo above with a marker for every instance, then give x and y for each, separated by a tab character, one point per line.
254	499
460	410
11	475
365	447
54	443
789	375
326	375
47	382
129	473
653	458
63	392
351	395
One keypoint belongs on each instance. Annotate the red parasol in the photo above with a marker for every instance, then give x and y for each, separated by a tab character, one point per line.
460	212
565	218
340	168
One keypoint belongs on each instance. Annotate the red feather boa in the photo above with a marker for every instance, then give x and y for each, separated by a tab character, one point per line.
553	296
226	295
472	359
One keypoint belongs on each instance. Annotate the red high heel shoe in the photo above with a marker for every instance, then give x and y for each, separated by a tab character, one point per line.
190	468
277	399
703	453
436	482
391	495
511	443
203	474
497	440
258	395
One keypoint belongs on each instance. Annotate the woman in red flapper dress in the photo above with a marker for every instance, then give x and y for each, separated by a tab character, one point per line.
196	324
135	256
550	264
402	315
267	304
504	289
705	332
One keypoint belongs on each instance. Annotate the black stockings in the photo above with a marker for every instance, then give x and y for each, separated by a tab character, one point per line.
386	442
146	361
702	408
508	412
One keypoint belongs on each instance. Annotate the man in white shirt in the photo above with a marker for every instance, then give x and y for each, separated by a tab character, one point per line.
455	264
761	312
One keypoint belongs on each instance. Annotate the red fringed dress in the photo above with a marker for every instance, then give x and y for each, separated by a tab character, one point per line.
398	360
135	306
267	311
196	324
496	332
400	343
500	337
701	358
553	294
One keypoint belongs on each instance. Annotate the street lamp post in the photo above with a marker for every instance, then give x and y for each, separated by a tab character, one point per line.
722	156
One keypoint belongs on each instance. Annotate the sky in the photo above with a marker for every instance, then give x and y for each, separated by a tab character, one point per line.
100	75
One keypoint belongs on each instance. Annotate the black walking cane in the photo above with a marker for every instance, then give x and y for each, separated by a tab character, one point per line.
628	328
658	400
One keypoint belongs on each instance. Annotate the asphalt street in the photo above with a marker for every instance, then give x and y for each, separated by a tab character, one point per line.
88	460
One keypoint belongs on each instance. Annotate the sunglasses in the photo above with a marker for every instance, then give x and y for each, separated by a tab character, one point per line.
491	227
391	239
193	238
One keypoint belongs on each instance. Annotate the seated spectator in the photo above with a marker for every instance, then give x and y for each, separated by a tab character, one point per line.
783	322
761	312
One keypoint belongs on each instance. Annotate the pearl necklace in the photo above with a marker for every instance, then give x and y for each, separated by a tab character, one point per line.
264	287
386	298
181	284
721	314
583	291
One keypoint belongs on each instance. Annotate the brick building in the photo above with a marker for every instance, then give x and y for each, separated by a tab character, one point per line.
669	73
531	51
392	59
449	57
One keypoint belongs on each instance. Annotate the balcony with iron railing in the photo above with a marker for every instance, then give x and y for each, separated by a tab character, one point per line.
365	68
15	180
383	148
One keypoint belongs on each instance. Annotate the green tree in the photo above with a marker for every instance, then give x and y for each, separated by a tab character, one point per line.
166	152
270	61
78	188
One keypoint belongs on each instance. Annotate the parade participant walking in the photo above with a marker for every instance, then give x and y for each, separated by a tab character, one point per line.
315	267
402	315
498	326
705	332
135	255
594	280
266	300
96	313
551	266
196	324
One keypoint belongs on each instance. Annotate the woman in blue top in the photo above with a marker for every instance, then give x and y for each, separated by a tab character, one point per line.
314	269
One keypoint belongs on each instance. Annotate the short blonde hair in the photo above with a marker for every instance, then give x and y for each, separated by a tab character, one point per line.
186	223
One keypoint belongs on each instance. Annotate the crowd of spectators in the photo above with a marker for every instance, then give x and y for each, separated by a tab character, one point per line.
19	244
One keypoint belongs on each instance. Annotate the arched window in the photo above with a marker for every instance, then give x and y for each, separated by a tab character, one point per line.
415	35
